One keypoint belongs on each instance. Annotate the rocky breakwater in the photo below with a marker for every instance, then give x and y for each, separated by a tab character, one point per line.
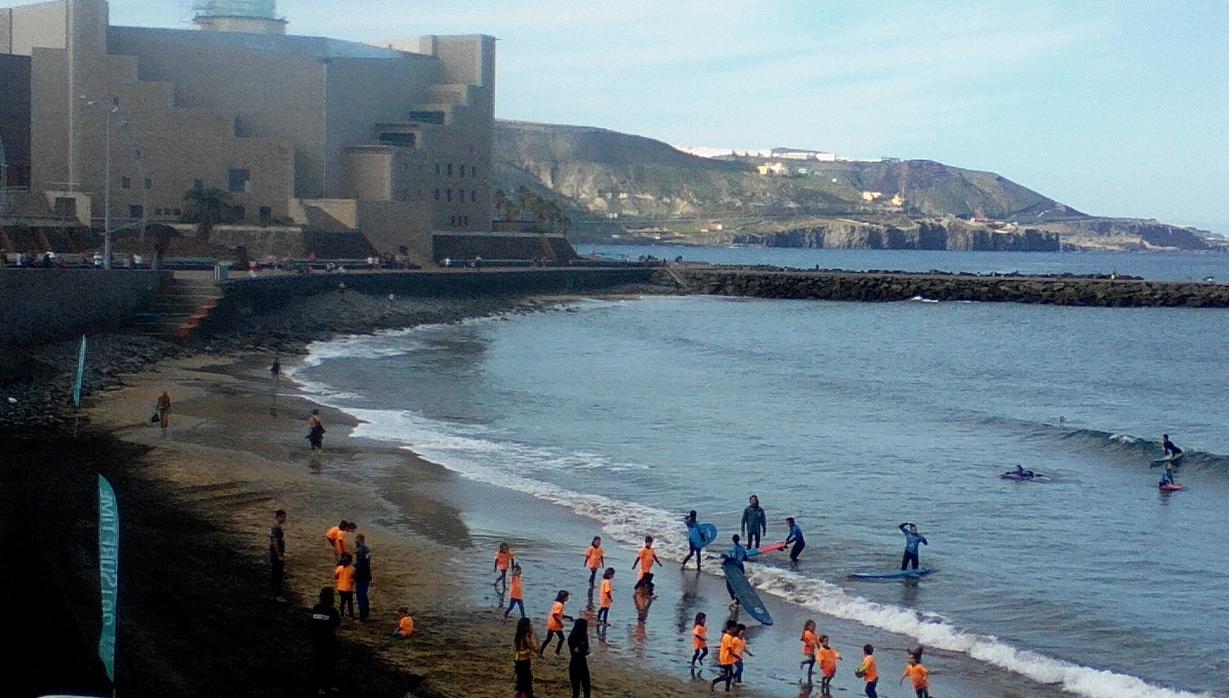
899	286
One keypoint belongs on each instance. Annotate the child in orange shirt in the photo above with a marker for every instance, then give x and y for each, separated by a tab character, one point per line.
603	613
503	560
554	622
645	559
725	657
740	649
809	642
595	559
344	574
869	671
405	626
336	538
516	594
699	639
921	678
828	658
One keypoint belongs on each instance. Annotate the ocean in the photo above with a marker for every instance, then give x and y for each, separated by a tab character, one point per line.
854	418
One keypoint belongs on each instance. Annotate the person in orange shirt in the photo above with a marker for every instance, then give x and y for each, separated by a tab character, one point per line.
554	622
809	642
740	649
516	593
405	626
344	574
699	640
828	658
336	538
921	678
503	560
645	559
595	559
725	657
869	671
603	613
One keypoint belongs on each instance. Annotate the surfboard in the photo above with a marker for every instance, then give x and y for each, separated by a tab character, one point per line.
1021	478
770	548
747	597
1162	461
901	574
1171	488
702	535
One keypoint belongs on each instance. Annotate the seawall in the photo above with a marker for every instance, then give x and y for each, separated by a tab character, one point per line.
883	287
44	305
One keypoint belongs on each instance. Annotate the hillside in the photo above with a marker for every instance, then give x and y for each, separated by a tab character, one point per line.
618	186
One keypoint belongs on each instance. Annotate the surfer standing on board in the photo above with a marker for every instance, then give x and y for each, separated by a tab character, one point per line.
912	538
1171	451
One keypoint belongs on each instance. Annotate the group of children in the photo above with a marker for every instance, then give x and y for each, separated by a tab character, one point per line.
731	650
353	576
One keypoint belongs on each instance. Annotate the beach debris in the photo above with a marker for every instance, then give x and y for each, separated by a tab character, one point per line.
12	400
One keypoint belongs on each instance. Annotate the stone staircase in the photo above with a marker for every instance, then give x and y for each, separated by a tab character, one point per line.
182	304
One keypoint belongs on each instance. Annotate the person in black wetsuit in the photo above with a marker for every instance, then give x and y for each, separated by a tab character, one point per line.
1171	451
691	523
912	539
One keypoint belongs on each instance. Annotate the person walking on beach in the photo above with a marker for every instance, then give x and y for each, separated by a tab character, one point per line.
918	674
795	536
504	559
869	671
344	574
164	411
809	644
645	559
362	575
739	648
523	648
607	597
755	522
277	551
325	621
725	657
691	521
738	557
275	371
912	539
554	622
516	592
699	640
315	431
595	559
828	658
578	665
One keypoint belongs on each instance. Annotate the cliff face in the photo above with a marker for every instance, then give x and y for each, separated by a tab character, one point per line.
925	235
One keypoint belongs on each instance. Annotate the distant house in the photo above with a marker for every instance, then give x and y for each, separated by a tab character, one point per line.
772	168
869	196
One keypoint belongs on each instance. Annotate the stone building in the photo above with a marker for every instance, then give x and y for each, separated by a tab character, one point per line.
393	139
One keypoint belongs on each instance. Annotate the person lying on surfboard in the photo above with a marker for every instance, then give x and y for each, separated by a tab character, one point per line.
1171	450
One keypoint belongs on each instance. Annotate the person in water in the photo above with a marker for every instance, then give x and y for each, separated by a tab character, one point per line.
737	556
828	658
691	522
918	673
912	538
595	559
504	559
699	640
645	559
516	593
607	597
809	644
1023	474
1168	477
755	522
795	537
725	657
1171	450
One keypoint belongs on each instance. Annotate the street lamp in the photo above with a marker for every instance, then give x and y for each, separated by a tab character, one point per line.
106	206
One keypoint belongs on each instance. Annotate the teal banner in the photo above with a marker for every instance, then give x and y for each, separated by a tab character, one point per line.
80	374
108	572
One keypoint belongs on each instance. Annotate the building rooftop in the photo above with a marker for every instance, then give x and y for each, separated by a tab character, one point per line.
317	46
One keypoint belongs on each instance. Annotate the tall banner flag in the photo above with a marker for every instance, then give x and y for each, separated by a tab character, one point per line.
108	572
80	374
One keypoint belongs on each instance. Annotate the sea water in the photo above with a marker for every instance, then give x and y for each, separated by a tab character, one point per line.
854	418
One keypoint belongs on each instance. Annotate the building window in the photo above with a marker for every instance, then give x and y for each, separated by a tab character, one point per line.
473	170
241	128
125	183
149	184
450	195
437	169
136	211
450	169
178	212
239	181
239	213
462	171
437	194
473	196
266	214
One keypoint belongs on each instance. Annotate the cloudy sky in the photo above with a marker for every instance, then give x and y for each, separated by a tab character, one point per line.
1117	108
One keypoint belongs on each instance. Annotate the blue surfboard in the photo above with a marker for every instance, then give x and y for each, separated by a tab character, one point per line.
748	599
901	574
702	535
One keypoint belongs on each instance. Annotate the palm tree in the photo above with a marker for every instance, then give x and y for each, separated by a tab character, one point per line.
207	207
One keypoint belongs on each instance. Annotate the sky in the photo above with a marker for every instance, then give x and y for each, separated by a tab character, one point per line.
1116	108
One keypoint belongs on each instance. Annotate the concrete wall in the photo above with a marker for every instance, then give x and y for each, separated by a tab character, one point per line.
39	25
43	305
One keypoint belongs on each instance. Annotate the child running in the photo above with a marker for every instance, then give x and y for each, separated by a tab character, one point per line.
915	671
504	559
645	559
699	640
603	613
869	671
595	559
740	649
554	622
405	626
725	657
809	643
344	574
516	593
828	658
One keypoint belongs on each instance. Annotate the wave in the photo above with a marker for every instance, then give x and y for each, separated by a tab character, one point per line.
465	450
